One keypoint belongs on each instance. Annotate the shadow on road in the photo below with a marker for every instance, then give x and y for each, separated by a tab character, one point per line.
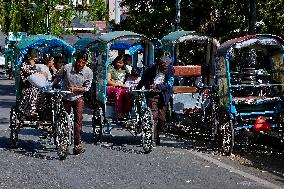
35	149
7	103
30	148
121	140
262	155
7	88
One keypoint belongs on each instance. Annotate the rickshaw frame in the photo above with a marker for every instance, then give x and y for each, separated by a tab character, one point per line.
186	101
240	115
143	121
60	127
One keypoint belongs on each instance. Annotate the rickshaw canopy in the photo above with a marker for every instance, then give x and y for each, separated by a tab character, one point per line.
85	43
71	39
46	41
119	35
251	41
181	36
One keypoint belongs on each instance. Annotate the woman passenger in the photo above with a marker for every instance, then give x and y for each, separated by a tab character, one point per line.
116	88
29	93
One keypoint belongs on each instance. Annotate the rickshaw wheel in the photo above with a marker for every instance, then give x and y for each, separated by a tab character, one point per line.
71	129
62	134
14	127
147	131
97	124
225	133
281	130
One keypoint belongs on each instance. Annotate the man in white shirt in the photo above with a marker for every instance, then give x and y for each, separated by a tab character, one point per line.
159	77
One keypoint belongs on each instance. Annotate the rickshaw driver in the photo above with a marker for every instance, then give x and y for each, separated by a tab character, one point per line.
77	78
158	77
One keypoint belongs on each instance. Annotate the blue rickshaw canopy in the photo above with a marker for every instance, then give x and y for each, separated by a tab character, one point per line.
46	41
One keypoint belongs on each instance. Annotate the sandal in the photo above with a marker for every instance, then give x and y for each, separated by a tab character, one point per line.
78	150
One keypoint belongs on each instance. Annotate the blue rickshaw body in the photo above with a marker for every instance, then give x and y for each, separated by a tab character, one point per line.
250	83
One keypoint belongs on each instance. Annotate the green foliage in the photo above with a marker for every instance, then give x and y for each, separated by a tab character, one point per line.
98	11
152	18
19	15
271	16
222	19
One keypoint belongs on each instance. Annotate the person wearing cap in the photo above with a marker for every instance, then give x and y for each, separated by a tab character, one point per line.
158	77
77	78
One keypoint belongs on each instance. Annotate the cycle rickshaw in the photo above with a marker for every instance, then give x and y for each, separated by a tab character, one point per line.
140	120
250	84
192	107
51	116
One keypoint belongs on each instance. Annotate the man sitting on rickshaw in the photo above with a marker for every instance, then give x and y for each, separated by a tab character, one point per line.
158	77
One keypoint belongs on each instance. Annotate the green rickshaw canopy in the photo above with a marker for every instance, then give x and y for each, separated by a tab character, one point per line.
111	36
180	36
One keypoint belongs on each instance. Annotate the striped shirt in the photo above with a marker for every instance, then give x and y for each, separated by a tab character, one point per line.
72	78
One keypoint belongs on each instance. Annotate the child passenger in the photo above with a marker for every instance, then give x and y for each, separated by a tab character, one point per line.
134	78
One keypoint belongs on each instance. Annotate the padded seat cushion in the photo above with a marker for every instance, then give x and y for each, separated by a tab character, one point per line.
185	89
190	70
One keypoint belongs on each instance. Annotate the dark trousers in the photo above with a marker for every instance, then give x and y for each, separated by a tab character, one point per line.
78	107
156	103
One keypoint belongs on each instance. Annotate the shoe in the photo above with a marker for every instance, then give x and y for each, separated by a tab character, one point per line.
121	116
157	142
33	115
78	150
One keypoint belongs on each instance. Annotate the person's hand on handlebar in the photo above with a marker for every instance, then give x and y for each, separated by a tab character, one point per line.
119	84
153	87
76	90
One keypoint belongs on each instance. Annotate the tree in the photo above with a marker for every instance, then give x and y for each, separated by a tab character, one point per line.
98	11
270	17
222	19
152	18
2	14
19	15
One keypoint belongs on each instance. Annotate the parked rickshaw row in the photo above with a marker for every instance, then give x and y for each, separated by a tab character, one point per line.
232	91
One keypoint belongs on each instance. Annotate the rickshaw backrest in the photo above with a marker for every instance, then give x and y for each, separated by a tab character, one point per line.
190	70
186	71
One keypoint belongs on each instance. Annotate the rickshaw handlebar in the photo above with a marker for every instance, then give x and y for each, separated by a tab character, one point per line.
59	91
145	90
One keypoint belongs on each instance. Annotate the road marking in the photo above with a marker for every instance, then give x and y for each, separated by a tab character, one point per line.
234	170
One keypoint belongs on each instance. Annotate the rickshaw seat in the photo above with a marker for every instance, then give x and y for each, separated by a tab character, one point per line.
184	89
186	71
190	70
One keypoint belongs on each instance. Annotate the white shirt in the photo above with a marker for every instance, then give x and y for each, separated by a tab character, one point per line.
128	68
132	84
45	69
160	77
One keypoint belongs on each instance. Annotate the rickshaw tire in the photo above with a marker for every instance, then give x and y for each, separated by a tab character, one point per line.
62	149
281	131
14	128
97	124
226	147
148	132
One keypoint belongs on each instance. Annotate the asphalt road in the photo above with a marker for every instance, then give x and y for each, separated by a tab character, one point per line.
119	162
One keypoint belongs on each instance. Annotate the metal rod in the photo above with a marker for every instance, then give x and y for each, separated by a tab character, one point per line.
177	14
47	17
